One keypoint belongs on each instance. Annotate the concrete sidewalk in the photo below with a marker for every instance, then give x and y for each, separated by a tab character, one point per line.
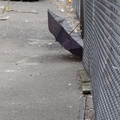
38	78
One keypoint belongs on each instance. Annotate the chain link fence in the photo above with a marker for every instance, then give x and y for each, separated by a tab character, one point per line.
101	57
77	6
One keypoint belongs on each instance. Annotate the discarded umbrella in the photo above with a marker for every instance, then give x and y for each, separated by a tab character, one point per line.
59	27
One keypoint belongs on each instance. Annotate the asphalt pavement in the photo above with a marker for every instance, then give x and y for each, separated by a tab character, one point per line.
38	77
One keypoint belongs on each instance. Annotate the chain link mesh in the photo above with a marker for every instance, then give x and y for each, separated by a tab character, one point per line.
101	57
77	5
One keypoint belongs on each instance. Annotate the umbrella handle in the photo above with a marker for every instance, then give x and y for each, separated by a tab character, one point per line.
76	26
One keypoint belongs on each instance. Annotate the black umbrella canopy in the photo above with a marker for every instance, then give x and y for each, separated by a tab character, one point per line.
54	23
62	32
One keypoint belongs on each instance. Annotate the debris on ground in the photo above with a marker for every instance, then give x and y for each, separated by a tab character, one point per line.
32	11
4	18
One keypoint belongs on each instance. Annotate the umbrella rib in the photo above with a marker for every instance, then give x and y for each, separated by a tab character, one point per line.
76	26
